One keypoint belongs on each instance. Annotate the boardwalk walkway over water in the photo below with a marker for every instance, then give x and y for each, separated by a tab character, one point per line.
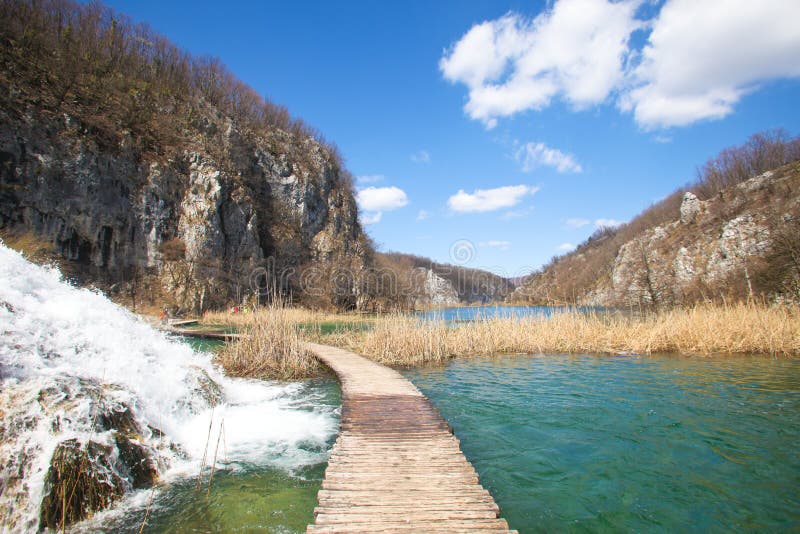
396	466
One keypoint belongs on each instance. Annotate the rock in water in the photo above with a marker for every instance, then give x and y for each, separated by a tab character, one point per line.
81	480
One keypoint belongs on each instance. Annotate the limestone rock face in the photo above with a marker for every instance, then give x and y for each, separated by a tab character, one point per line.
690	208
439	291
739	242
729	237
235	201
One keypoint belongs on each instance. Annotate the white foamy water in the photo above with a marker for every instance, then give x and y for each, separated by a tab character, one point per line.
60	345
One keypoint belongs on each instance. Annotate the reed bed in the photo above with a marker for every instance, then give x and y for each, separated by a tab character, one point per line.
746	328
270	347
301	316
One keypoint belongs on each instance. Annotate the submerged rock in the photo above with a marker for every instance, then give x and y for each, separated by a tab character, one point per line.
138	460
102	450
204	387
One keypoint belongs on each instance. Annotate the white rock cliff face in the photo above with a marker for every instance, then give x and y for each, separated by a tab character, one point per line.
702	249
235	204
741	241
439	291
691	207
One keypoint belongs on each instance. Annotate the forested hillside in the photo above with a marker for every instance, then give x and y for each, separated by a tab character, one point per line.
159	175
426	283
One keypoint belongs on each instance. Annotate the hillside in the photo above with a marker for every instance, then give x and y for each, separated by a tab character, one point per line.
733	234
421	282
160	176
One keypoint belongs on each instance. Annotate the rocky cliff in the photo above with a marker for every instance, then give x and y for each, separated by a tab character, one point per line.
159	184
741	242
438	292
265	201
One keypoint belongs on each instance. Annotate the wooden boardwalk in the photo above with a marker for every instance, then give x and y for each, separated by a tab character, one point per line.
396	465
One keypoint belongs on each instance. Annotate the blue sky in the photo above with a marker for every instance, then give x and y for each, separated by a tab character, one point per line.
517	127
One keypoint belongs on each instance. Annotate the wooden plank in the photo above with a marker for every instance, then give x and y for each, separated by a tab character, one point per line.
203	334
183	322
402	509
396	465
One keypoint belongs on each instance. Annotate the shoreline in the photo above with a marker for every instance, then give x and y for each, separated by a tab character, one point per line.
272	338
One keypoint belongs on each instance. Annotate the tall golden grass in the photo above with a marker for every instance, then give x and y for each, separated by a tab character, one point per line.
270	346
248	317
702	330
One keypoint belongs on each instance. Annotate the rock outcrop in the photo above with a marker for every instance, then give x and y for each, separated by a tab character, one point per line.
196	224
438	291
151	172
742	242
691	206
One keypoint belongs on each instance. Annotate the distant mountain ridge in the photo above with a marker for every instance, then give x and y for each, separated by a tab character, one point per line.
423	283
733	234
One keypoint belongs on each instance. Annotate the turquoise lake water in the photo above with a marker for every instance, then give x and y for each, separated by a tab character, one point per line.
613	444
473	313
569	444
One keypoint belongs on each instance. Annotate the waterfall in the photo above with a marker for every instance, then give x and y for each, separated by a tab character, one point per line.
82	379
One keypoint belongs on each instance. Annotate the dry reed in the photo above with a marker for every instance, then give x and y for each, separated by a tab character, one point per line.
746	328
299	316
270	346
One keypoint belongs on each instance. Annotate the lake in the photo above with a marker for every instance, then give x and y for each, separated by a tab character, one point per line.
564	443
657	443
477	313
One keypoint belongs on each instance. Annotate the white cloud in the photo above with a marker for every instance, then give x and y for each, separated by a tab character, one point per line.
381	198
702	57
502	245
482	200
422	215
421	156
566	247
576	50
532	155
697	62
370	178
607	223
373	201
662	139
577	222
370	218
